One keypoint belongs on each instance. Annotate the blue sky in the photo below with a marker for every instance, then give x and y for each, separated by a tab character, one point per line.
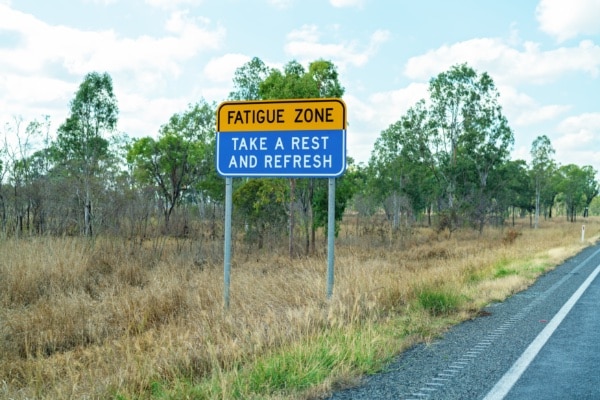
543	55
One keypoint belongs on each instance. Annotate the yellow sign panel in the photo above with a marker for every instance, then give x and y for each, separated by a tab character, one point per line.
281	115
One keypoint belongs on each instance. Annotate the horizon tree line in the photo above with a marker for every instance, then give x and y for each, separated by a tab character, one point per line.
445	163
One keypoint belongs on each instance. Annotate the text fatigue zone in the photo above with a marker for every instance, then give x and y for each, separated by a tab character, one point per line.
302	138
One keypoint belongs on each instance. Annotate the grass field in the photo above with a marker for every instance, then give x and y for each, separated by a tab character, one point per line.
111	319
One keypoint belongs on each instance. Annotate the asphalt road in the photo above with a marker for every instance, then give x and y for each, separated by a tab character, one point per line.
542	343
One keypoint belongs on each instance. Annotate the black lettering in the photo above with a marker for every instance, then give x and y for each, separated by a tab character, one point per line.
260	116
298	118
329	114
308	115
319	114
238	118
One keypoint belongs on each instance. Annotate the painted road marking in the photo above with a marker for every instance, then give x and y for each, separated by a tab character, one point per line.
504	385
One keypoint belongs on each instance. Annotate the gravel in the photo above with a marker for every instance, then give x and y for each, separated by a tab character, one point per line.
471	357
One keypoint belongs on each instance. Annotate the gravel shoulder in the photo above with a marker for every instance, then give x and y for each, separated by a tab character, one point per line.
471	357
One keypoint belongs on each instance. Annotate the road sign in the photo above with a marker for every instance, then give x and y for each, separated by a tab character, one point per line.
281	138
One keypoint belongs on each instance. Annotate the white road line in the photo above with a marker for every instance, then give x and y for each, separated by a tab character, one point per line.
504	385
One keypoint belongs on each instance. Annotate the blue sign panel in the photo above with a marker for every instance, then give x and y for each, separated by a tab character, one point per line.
306	153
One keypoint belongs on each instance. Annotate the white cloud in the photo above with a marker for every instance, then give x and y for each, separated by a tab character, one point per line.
41	75
390	106
370	117
579	132
568	19
507	64
522	110
80	52
223	68
155	111
304	44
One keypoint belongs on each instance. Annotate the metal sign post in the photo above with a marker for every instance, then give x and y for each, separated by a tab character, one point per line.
281	138
227	244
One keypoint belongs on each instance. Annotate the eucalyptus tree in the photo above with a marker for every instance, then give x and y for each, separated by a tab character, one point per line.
261	205
81	146
571	186
181	158
20	170
517	191
247	80
591	187
403	177
470	137
454	144
542	169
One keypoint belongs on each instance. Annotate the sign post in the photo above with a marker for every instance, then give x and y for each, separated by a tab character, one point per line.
281	138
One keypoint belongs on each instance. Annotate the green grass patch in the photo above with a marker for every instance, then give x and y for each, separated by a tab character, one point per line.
502	272
282	373
438	302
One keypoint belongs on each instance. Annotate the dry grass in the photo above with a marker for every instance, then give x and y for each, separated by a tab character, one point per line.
111	320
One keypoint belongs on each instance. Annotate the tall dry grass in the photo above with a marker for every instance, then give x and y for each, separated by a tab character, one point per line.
108	319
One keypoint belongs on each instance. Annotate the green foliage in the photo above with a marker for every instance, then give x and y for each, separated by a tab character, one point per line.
260	203
502	272
576	185
438	302
345	188
400	164
247	80
94	112
448	151
543	168
181	158
321	80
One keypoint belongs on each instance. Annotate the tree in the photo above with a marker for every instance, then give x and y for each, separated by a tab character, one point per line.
517	187
261	203
470	137
294	82
591	187
571	186
447	150
21	171
346	187
247	80
542	168
80	144
403	177
181	158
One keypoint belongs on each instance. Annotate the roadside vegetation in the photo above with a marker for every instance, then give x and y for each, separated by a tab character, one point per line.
109	318
111	248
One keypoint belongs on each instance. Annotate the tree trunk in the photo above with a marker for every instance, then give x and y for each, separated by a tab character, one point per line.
88	218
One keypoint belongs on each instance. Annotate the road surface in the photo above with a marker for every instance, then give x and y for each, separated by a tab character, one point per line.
542	343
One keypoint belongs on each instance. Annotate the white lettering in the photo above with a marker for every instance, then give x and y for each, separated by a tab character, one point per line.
279	144
255	143
309	143
243	161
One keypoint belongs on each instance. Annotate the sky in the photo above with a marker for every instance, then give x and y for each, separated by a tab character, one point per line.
163	55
